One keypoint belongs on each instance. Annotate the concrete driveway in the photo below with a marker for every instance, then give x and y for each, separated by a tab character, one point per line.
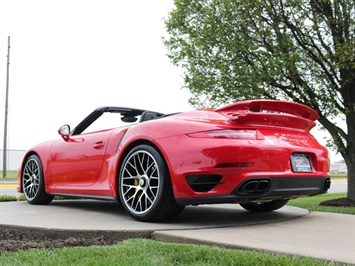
289	230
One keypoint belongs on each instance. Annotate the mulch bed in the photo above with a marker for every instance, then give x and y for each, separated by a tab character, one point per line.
16	245
15	238
342	202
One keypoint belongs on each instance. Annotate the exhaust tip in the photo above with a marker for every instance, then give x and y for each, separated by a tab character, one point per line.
327	184
254	186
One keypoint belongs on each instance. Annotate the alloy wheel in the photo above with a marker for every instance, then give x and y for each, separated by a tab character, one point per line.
31	179
140	182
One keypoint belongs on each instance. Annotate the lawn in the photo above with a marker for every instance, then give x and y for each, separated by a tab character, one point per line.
312	203
149	252
9	174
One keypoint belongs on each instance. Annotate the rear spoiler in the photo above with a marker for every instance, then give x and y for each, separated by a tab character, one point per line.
270	112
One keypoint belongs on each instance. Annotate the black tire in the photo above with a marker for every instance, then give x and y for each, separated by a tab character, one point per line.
264	206
144	186
33	182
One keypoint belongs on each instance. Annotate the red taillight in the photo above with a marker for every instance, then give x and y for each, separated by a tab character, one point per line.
228	134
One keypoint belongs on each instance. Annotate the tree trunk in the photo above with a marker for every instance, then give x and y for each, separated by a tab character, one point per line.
348	93
351	181
350	163
349	100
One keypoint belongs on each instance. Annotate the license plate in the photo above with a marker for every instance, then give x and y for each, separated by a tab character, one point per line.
300	163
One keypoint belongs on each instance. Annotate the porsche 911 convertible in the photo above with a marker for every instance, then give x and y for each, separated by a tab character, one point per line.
258	154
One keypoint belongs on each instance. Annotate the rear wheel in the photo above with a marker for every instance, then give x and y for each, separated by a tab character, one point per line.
264	206
33	182
145	188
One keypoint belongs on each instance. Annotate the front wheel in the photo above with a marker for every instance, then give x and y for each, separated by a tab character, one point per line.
145	188
33	182
264	206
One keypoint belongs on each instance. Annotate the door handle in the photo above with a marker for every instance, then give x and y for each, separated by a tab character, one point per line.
99	145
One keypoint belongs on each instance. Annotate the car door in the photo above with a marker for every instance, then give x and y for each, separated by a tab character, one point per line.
78	161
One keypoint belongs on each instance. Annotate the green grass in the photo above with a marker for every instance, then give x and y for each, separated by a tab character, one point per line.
312	203
5	198
333	175
9	175
149	252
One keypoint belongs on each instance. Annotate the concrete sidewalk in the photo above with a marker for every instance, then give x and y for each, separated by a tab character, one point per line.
289	230
325	236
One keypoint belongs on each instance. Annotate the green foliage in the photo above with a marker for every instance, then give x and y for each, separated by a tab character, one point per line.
303	51
149	252
239	49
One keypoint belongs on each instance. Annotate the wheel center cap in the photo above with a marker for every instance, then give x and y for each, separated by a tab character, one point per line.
142	182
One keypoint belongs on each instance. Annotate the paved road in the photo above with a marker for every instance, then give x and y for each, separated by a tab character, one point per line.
338	185
8	189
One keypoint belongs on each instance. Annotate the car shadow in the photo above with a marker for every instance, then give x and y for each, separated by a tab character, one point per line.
202	216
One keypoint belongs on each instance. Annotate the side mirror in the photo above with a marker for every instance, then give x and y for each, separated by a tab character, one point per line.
64	131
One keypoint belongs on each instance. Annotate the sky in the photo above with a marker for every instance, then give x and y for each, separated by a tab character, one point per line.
69	57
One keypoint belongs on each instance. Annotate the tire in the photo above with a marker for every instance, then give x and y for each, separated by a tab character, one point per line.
145	188
264	206
33	182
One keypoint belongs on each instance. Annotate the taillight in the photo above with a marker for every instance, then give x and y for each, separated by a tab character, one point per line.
228	134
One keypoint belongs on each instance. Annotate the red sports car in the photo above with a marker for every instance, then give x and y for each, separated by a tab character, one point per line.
256	153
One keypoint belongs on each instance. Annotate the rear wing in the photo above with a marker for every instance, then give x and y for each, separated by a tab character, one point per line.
270	112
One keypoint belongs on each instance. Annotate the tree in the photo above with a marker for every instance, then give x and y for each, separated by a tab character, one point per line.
299	50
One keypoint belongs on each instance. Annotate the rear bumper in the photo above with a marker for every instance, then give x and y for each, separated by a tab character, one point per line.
266	189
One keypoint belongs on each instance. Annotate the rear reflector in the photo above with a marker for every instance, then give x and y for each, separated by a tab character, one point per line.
234	164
